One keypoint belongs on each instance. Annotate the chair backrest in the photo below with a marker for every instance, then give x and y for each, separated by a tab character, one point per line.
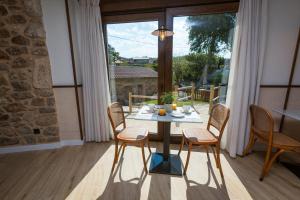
116	116
218	118
262	122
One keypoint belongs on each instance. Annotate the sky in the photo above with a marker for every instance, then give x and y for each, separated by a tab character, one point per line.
135	39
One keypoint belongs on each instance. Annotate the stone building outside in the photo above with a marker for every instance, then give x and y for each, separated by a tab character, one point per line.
138	80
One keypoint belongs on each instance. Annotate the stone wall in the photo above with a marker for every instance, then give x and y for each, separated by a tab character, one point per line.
27	105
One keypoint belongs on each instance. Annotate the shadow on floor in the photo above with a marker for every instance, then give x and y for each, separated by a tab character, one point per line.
204	191
123	189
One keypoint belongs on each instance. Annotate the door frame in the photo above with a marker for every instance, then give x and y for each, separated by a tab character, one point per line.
165	48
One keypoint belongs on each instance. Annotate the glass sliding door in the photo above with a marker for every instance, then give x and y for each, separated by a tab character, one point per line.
133	68
194	64
201	62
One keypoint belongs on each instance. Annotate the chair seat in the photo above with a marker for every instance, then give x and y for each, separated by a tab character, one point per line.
283	141
132	134
200	136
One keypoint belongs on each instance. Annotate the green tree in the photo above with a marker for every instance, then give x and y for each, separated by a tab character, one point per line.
191	67
180	66
196	65
210	34
113	55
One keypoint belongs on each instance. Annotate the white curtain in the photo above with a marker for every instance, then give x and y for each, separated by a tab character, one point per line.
245	71
88	37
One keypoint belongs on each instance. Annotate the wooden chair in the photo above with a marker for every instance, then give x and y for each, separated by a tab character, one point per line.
262	125
127	135
197	136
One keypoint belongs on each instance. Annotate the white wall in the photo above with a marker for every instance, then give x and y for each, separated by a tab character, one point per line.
57	38
55	22
284	23
283	27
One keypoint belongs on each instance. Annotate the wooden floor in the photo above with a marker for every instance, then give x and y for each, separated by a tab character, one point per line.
83	172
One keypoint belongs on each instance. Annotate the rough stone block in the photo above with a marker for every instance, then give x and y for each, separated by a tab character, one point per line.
7	131
4	117
20	62
20	40
16	19
24	130
22	95
33	8
38	102
30	139
46	120
21	85
3	55
4	33
43	92
3	67
15	9
4	43
3	80
15	107
4	141
3	11
9	2
15	51
35	30
29	116
41	74
3	91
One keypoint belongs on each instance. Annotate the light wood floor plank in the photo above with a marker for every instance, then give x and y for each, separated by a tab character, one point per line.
83	172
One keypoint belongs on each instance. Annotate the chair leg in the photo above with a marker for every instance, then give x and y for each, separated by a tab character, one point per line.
215	156
188	158
181	145
123	149
271	161
267	159
250	144
148	144
144	159
218	161
116	156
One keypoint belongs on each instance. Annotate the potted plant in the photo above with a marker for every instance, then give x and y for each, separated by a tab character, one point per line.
167	99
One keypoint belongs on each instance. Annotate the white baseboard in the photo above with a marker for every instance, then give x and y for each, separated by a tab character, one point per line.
35	147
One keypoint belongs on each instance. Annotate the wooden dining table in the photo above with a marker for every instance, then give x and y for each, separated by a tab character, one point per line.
166	163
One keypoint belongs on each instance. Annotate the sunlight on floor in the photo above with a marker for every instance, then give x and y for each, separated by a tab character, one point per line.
130	182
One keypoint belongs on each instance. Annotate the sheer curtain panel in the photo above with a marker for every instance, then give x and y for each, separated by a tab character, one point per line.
245	71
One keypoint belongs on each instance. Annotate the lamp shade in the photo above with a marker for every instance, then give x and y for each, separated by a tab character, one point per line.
162	33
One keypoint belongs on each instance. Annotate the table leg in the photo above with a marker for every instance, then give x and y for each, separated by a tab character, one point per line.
166	151
166	163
